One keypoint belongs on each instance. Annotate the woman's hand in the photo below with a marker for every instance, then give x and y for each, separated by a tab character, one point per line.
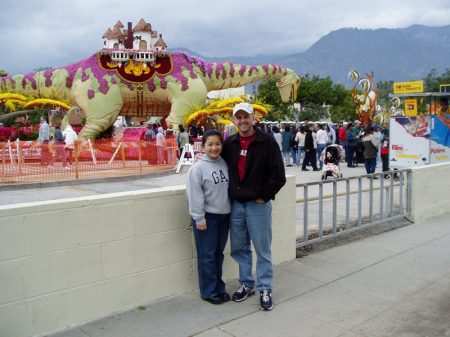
260	200
198	157
201	226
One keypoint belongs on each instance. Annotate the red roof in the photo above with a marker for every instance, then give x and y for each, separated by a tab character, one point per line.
142	27
155	33
120	24
107	34
160	42
116	33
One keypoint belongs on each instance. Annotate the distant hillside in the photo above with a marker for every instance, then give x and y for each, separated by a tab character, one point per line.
392	54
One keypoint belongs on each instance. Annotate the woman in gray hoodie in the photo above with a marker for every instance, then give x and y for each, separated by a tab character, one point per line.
209	207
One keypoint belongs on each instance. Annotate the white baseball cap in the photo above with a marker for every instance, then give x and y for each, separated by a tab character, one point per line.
345	123
244	107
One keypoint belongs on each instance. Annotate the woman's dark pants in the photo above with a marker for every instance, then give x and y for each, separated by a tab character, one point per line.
210	245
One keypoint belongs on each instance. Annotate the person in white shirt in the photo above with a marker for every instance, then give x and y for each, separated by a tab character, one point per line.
277	136
321	138
70	137
300	139
379	138
331	133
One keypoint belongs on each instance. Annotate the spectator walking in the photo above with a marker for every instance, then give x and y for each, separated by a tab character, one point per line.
183	139
342	137
160	145
294	146
370	150
59	146
70	137
379	138
278	137
286	144
150	146
351	143
321	137
331	139
309	150
44	137
300	139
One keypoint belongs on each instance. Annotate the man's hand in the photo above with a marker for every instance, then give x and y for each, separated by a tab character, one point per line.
198	157
260	200
201	226
307	150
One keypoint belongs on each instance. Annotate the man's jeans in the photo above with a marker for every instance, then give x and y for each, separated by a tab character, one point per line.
252	221
210	244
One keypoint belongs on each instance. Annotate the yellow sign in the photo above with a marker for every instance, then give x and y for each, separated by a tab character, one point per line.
411	107
408	87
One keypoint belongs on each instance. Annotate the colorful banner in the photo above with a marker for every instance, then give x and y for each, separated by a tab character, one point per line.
411	107
409	141
408	87
440	139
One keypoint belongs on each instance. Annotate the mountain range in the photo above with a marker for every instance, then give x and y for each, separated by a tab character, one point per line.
401	54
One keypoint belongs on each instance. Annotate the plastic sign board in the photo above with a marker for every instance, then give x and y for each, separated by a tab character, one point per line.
411	107
409	141
440	139
408	87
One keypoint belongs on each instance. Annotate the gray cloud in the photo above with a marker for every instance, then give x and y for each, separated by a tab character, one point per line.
57	33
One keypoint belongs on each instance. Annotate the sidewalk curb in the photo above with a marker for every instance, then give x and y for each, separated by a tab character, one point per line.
59	183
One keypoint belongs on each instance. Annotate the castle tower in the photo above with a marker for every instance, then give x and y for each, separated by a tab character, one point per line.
116	39
160	44
142	35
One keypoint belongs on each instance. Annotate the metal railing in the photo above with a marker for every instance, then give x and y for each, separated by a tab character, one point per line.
393	192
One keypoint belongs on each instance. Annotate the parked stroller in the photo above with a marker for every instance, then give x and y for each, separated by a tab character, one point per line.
358	156
331	156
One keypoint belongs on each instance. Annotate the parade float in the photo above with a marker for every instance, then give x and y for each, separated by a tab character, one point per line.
134	75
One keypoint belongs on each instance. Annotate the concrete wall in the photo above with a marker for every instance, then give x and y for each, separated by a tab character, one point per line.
430	191
68	261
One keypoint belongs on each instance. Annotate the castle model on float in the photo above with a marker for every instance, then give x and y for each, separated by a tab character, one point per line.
141	38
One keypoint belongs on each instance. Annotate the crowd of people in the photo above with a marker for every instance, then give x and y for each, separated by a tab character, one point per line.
308	141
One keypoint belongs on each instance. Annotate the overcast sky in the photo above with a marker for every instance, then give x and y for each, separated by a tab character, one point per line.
48	33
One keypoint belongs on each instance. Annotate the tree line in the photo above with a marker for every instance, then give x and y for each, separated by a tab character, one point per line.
320	97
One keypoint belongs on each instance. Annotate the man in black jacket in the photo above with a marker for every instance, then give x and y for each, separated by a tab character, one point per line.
256	174
309	150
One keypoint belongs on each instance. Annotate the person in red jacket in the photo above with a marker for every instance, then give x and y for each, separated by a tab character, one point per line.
342	137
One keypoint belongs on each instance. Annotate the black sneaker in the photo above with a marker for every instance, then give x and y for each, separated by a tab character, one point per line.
242	293
224	296
266	300
305	169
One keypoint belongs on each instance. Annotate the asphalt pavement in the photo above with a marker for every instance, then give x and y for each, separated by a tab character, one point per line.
393	284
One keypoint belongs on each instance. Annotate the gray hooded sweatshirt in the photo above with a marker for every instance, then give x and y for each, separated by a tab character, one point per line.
207	188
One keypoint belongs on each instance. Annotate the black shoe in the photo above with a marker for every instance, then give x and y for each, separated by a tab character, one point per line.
214	299
316	169
242	293
305	169
289	165
375	177
266	300
225	297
